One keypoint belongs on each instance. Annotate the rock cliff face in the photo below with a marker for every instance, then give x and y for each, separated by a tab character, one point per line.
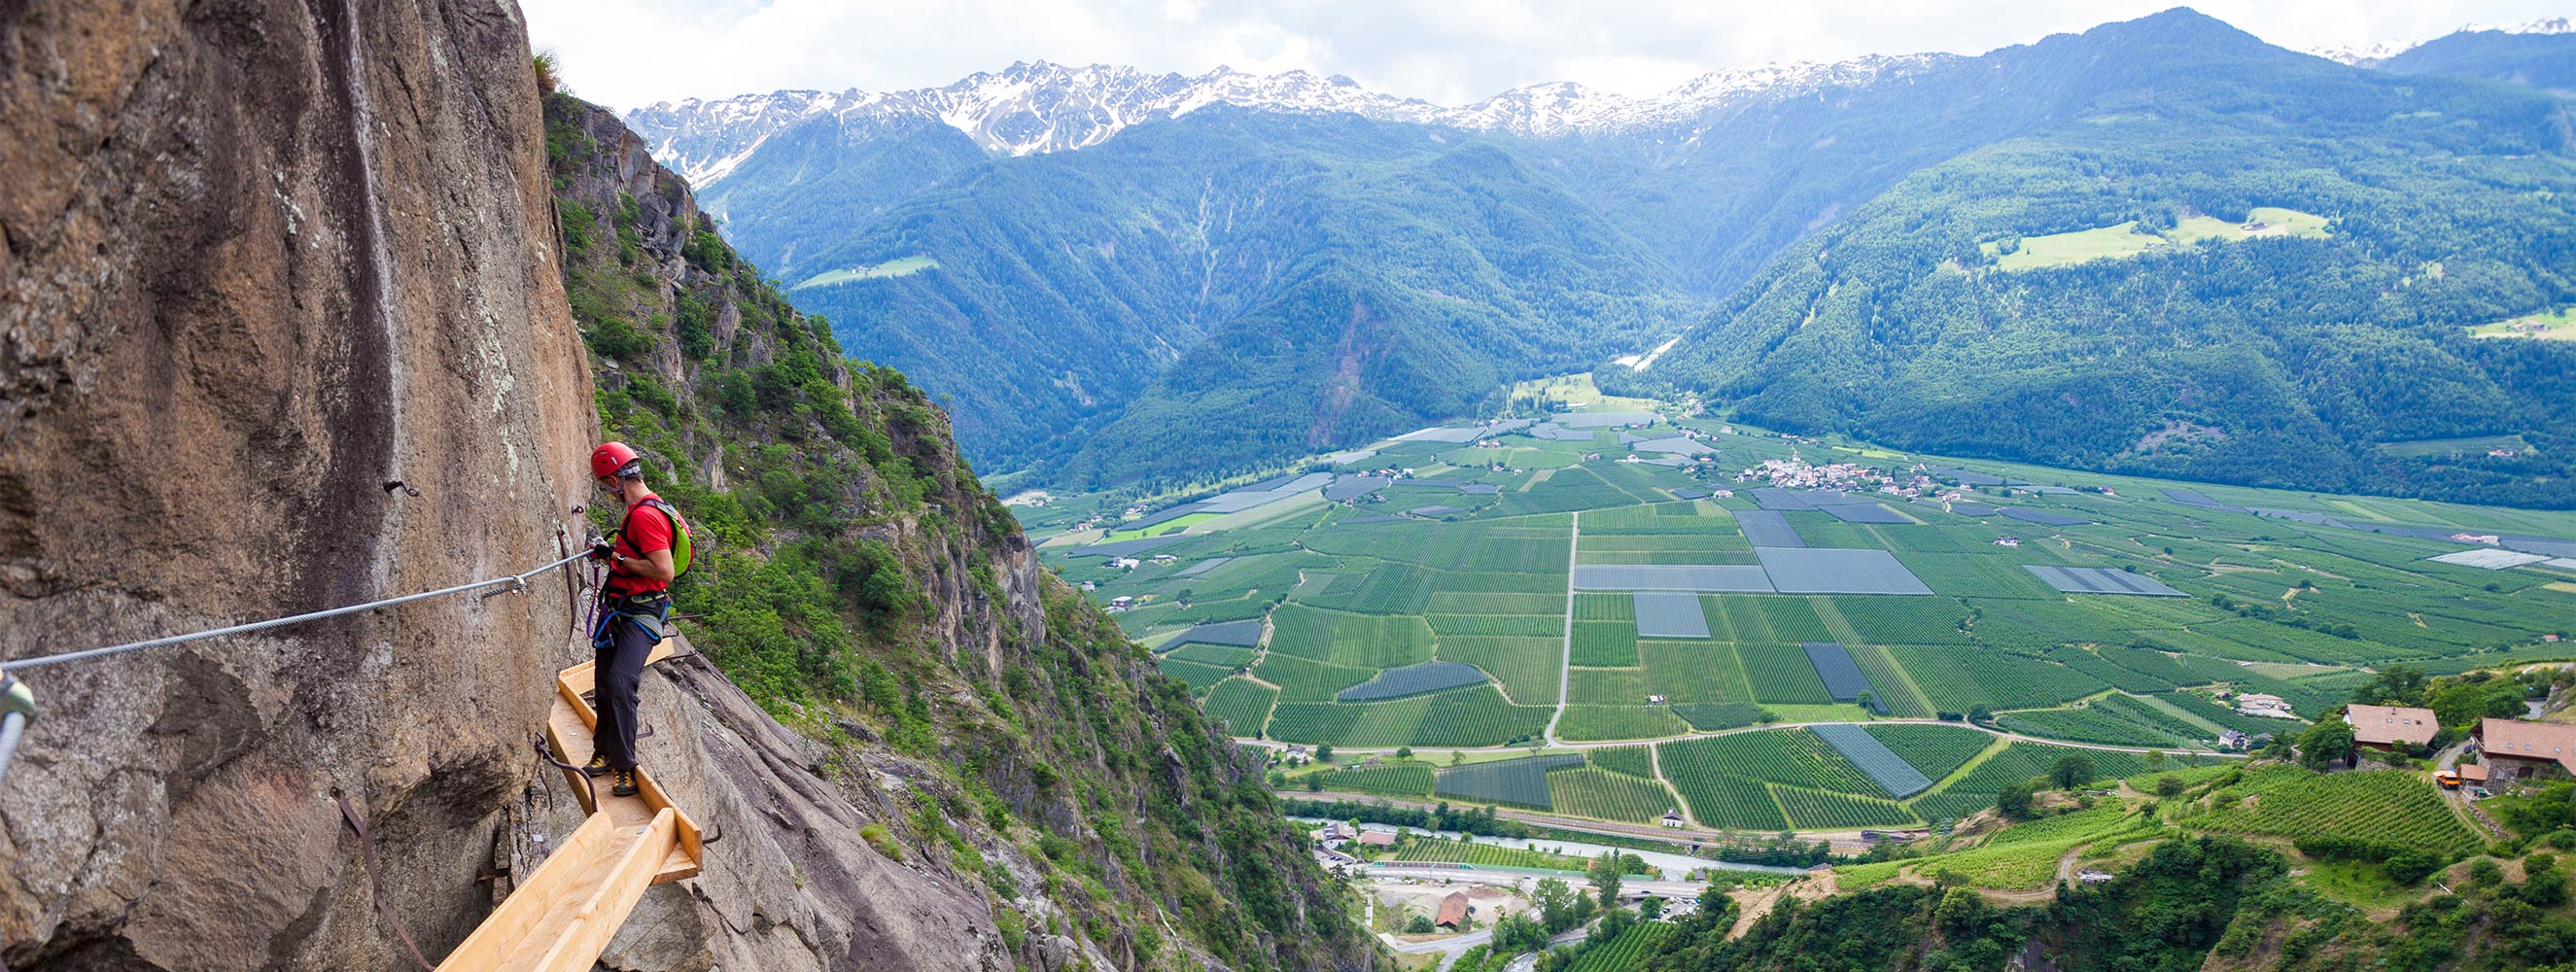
258	259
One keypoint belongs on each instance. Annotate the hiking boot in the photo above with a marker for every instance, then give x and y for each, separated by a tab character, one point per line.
598	766
621	783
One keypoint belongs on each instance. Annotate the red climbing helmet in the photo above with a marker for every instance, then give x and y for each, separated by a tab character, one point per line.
610	459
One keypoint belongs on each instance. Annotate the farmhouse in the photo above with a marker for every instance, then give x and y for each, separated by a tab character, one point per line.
2385	726
2234	739
1376	838
2267	706
2521	750
1673	819
1335	834
1453	912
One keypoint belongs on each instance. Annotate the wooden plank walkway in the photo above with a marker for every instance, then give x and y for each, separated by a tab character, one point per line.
564	914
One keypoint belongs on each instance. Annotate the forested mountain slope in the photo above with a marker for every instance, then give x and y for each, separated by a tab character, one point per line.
1966	310
1144	290
2539	60
1008	779
1253	281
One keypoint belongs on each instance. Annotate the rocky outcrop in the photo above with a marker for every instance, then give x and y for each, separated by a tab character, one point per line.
790	883
256	260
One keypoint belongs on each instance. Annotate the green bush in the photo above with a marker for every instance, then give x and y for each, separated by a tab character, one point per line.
883	840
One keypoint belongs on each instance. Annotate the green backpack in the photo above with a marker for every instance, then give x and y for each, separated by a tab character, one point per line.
679	535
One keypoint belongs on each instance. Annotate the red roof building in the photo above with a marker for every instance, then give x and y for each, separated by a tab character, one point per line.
2516	749
1453	911
2385	726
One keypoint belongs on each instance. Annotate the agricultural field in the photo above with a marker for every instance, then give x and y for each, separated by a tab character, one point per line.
1622	953
1826	810
1514	782
2389	806
1585	791
2558	325
2129	239
2028	854
1399	779
1243	703
1499	620
1423	847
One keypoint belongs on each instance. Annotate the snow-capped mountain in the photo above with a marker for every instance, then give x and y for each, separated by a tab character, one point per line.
1043	107
2372	55
2364	55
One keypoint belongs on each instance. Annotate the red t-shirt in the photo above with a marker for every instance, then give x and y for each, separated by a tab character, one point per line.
646	530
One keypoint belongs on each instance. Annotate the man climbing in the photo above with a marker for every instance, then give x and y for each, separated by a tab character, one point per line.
635	607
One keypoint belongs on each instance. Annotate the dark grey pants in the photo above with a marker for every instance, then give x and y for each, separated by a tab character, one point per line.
619	675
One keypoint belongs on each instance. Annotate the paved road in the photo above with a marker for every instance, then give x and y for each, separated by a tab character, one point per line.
1565	671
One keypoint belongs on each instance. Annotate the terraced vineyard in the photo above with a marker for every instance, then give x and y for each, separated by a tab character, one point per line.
1349	594
2014	763
2029	854
2388	806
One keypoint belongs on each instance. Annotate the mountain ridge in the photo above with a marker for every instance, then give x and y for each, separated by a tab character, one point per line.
1033	107
1073	107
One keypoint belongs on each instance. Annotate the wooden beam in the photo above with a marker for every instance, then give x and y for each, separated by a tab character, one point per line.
507	931
595	920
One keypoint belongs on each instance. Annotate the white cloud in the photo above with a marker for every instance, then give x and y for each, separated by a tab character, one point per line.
1448	51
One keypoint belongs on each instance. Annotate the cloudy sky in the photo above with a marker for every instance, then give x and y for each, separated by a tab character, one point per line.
626	54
